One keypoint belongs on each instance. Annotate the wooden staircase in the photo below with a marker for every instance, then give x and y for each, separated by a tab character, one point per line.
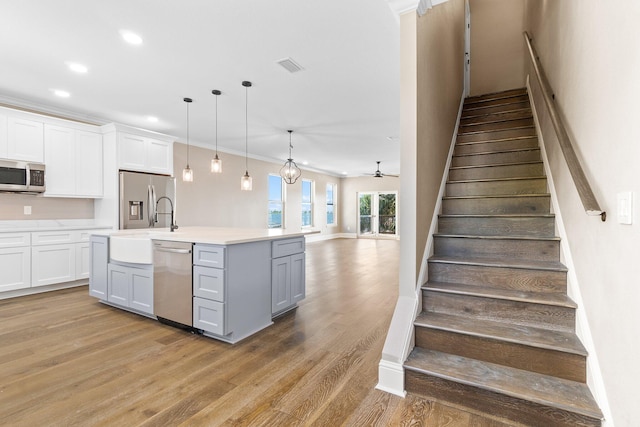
497	330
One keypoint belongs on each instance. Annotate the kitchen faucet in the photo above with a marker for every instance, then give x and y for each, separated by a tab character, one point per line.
173	226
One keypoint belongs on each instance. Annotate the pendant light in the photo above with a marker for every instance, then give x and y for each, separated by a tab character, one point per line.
245	181
216	163
187	173
290	172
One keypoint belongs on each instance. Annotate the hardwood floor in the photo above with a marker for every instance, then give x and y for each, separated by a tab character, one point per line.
68	360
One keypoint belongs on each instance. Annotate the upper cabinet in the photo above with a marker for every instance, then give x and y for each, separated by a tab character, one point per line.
144	154
74	162
24	140
4	146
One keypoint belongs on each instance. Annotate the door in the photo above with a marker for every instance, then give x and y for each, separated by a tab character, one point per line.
377	214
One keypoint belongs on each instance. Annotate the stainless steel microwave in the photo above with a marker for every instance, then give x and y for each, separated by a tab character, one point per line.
21	177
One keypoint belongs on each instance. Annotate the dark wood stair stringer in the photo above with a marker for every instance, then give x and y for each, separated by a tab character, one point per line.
497	330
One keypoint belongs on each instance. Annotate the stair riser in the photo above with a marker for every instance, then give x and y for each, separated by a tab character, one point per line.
543	361
495	188
497	158
506	99
509	93
497	226
522	279
513	312
495	126
490	172
496	146
497	206
508	114
513	249
505	407
470	113
499	134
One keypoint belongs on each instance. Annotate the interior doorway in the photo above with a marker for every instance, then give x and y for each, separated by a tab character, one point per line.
377	214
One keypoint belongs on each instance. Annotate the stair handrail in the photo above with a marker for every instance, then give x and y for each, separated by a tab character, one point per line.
585	192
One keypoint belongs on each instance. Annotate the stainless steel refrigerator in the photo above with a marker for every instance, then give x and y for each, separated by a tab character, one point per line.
143	200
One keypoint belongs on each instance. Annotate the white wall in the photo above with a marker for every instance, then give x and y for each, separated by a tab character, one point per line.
590	51
216	199
349	197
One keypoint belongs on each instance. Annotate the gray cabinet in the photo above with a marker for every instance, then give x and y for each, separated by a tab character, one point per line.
131	287
99	258
209	299
287	274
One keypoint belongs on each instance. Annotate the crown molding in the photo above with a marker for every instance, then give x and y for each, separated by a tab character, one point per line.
400	7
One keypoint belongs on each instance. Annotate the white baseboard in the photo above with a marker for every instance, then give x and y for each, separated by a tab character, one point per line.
42	289
320	237
391	378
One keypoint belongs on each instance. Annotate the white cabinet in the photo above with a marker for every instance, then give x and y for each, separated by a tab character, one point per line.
15	261
287	274
74	162
53	264
131	287
83	260
25	140
144	154
98	259
4	148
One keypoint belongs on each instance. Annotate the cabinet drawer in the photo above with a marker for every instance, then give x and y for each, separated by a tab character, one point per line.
208	256
280	248
83	235
209	316
208	283
52	237
15	240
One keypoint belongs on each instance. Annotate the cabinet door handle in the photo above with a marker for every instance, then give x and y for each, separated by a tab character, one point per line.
173	251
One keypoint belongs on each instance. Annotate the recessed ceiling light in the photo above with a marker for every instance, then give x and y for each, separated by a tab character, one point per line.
131	37
78	68
152	119
304	162
344	173
61	93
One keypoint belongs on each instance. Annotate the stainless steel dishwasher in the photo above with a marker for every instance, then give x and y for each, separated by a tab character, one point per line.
172	284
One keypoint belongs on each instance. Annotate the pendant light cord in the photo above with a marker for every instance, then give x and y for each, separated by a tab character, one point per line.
216	125
246	128
187	134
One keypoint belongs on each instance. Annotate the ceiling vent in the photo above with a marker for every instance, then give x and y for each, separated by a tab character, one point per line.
290	65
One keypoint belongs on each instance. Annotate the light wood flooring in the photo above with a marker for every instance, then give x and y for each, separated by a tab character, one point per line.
68	360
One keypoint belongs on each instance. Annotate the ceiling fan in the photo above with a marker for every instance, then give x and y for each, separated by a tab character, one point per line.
379	174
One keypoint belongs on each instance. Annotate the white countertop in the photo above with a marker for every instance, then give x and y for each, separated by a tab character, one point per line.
211	235
23	226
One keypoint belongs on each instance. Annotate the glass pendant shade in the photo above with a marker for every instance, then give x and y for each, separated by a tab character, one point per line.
216	165
246	182
290	172
187	173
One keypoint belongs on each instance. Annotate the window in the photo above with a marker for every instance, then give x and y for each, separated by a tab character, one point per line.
307	203
331	216
276	202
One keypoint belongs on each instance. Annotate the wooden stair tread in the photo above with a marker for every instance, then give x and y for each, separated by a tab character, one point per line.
496	237
497	196
477	132
501	262
513	150
494	96
514	215
509	111
493	165
516	178
542	389
546	298
515	138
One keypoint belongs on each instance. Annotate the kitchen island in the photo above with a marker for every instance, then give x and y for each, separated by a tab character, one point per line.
238	279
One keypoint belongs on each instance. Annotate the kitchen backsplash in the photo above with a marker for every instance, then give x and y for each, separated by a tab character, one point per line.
12	207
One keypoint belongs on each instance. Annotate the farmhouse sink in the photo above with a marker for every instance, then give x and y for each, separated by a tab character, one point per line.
134	248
